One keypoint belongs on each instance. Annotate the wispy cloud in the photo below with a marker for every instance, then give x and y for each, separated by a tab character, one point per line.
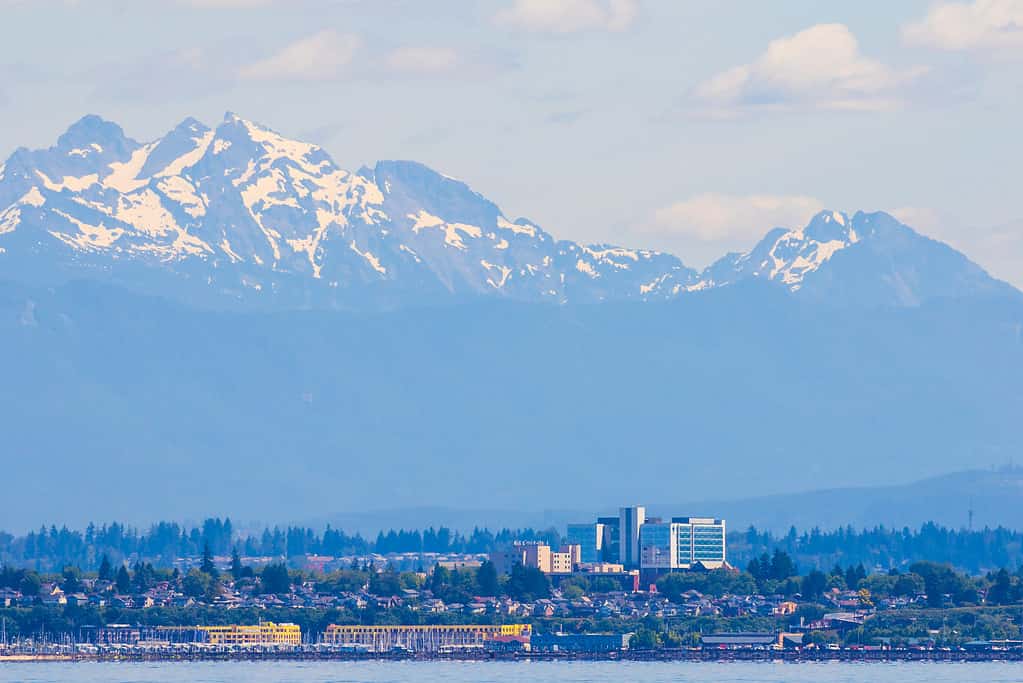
820	67
568	16
993	26
422	60
323	56
734	220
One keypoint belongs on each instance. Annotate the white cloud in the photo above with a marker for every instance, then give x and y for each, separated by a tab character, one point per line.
322	56
422	60
569	16
818	68
733	219
981	25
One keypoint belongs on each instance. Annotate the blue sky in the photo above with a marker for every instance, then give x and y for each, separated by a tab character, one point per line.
683	125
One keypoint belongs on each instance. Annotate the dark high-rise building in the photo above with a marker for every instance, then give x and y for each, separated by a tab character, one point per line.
610	548
630	519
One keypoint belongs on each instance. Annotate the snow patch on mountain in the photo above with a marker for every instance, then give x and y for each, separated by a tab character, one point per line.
788	256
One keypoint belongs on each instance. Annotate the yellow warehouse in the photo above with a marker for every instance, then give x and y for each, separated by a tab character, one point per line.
267	633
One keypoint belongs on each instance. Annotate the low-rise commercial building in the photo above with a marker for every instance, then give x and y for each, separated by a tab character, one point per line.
536	555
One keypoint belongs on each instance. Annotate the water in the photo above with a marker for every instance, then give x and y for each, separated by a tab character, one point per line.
500	672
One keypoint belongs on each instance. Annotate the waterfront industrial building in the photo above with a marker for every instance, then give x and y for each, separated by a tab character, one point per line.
264	634
432	638
580	642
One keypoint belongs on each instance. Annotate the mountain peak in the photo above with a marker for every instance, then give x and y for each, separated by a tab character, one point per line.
829	226
244	213
830	216
191	125
253	128
92	129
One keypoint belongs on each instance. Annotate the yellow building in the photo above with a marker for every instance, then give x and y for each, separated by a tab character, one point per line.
420	638
266	633
785	609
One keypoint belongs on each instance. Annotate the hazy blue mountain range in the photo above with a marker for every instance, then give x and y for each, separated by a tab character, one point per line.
239	216
121	406
992	494
225	322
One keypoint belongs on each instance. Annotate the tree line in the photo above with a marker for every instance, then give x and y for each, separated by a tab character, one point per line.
974	551
52	548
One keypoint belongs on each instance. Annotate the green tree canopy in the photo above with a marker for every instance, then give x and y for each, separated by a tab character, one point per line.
275	579
123	580
527	584
486	579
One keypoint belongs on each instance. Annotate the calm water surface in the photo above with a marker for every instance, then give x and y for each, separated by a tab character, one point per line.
498	672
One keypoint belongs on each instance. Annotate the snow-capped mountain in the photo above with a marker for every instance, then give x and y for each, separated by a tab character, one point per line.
255	216
867	258
242	214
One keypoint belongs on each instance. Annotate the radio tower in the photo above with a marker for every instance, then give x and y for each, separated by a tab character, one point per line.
970	515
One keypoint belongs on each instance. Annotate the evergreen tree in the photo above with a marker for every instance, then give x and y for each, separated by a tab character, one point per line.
123	580
1001	592
275	578
196	584
440	580
782	566
527	584
853	576
813	585
106	571
385	584
236	564
207	566
30	584
72	580
486	578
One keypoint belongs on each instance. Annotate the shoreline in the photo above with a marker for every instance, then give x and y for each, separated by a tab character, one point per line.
698	656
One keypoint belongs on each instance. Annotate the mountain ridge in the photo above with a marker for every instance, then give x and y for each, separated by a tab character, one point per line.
238	215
